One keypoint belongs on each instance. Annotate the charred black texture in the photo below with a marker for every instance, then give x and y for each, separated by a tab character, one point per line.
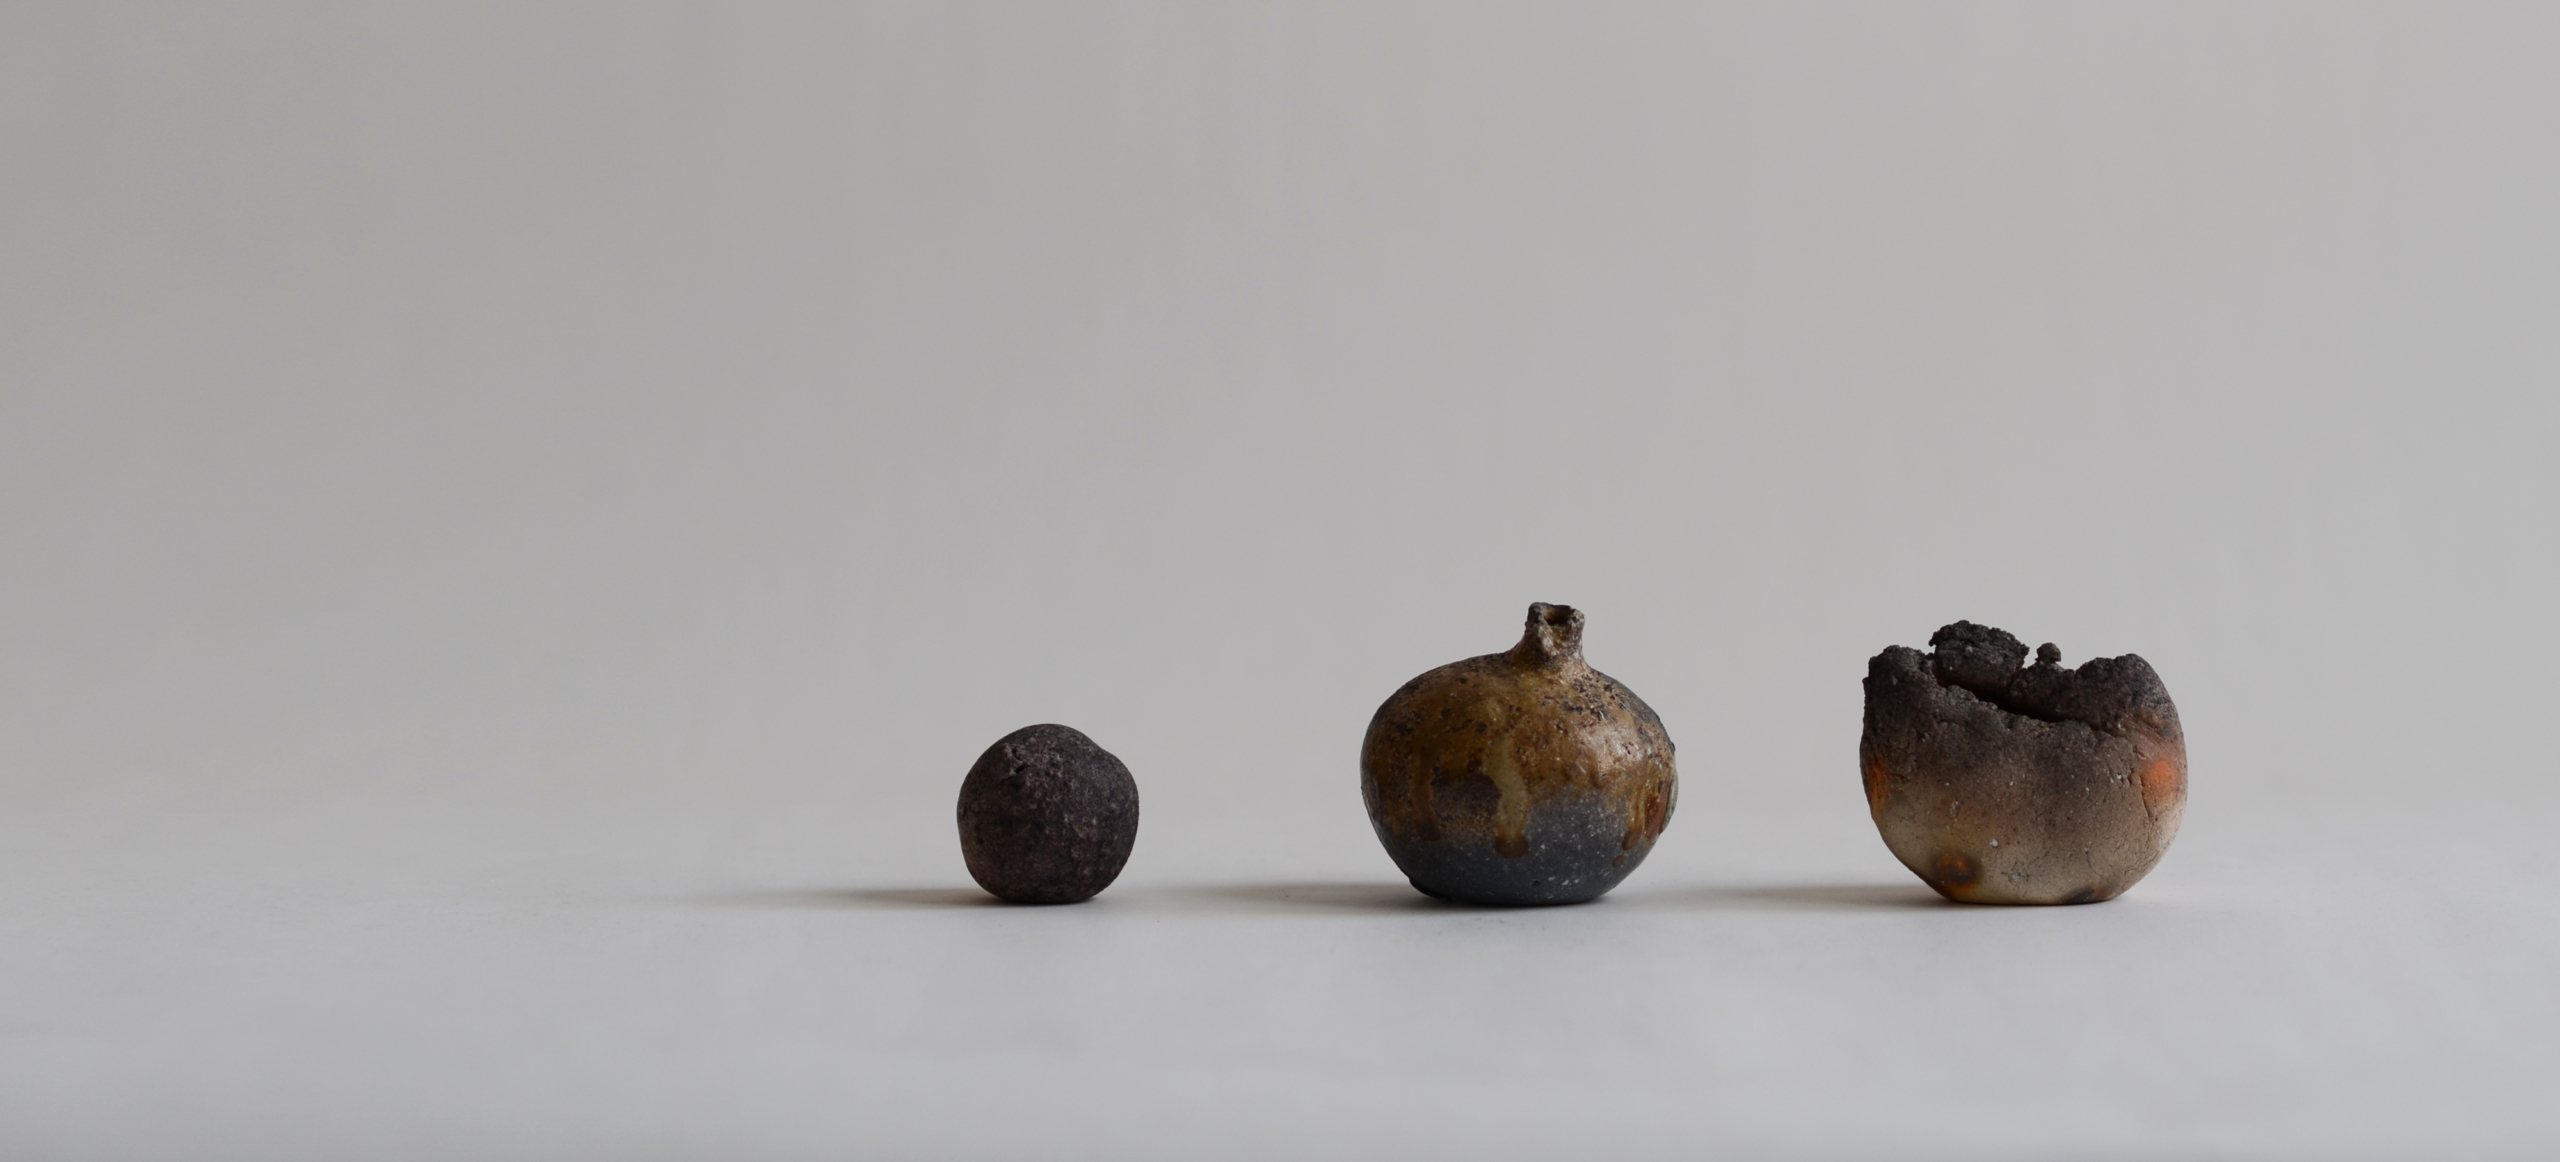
1047	816
2113	695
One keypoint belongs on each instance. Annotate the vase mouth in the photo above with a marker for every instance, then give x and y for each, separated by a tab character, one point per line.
1553	635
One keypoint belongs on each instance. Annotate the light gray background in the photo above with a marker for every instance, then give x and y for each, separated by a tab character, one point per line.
514	521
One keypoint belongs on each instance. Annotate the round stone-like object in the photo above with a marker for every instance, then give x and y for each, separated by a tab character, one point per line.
1047	816
1523	777
1998	782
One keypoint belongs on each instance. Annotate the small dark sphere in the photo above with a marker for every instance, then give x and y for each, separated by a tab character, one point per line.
1047	816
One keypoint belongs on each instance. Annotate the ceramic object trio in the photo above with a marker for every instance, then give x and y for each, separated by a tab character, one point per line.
1528	777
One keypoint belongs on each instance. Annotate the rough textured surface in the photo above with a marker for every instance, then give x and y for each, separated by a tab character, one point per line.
1047	816
1523	777
1999	782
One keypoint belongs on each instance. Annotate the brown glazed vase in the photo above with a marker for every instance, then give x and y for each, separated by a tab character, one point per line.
1998	782
1523	777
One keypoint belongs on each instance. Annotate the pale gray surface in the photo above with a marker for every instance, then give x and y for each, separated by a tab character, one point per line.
513	525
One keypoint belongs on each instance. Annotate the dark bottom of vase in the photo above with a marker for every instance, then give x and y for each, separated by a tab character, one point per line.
1549	873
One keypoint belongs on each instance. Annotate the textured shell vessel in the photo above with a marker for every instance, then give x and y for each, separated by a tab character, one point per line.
1524	777
1999	782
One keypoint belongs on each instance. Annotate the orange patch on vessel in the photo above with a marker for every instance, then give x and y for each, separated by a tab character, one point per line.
2163	782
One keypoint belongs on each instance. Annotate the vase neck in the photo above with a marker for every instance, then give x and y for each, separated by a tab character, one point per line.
1553	636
